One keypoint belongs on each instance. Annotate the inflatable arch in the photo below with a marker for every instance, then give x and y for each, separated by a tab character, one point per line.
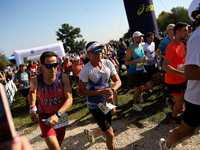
20	54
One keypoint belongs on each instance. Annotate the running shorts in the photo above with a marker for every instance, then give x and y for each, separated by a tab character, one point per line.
137	77
191	113
177	89
48	131
103	121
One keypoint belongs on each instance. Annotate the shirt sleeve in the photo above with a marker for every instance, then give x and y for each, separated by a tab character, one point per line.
83	75
169	52
161	45
193	53
112	68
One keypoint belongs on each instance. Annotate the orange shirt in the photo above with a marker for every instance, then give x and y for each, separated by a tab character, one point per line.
176	54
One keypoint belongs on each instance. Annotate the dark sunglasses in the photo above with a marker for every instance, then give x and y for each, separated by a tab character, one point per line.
97	51
50	66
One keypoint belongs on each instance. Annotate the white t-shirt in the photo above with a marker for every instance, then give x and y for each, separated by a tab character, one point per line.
192	94
149	50
97	80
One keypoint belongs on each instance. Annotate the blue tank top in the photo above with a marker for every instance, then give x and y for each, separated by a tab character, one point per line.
138	53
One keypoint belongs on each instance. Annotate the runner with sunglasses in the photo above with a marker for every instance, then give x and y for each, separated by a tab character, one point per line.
94	82
54	99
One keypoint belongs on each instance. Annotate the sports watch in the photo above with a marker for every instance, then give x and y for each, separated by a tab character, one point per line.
59	114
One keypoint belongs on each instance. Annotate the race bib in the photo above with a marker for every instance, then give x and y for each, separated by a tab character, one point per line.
139	66
181	67
32	70
24	77
107	108
63	121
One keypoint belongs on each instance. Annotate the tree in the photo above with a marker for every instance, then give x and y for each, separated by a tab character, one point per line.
178	14
3	62
127	35
67	34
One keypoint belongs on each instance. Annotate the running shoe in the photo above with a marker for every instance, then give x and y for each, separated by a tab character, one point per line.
103	137
136	107
90	138
118	109
170	101
141	98
175	121
162	144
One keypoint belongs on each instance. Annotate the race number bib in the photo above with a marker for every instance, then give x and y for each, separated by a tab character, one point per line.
33	70
139	66
107	108
24	77
181	67
63	121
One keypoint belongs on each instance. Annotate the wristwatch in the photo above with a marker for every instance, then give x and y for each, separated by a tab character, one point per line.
59	114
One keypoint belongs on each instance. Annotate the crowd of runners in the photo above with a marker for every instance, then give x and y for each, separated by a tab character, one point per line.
172	62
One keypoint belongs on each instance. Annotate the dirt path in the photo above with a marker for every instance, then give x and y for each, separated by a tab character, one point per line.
126	138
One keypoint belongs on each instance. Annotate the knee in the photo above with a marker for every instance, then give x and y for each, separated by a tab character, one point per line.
110	133
151	85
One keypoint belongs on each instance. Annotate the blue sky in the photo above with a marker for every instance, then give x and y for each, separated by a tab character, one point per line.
33	23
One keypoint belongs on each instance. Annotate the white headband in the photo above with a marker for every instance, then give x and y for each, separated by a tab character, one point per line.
94	45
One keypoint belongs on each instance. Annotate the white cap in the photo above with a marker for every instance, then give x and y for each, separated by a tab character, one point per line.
94	45
77	57
137	34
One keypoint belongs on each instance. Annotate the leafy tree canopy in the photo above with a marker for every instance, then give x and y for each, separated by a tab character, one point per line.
68	35
178	14
3	62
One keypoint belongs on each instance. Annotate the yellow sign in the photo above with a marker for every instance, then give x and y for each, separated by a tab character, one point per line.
146	8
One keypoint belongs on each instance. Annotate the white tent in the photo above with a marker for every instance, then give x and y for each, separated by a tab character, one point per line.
20	54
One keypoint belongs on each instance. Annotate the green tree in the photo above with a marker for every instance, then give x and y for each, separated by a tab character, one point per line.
127	35
178	14
3	61
68	35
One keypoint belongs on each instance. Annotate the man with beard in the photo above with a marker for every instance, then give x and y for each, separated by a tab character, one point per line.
135	59
174	66
54	98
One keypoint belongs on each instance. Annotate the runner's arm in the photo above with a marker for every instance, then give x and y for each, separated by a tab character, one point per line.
32	96
170	69
83	91
192	72
129	54
159	54
117	82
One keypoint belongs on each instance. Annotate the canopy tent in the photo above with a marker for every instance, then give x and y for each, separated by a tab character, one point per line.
10	58
20	54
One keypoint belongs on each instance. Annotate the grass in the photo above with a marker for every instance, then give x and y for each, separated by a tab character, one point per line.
155	108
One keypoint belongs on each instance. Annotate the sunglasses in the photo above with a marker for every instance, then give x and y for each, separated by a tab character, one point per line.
50	66
97	51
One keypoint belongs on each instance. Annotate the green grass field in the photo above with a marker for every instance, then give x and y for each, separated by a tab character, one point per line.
154	108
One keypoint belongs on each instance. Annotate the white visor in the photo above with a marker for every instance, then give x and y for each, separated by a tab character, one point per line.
92	46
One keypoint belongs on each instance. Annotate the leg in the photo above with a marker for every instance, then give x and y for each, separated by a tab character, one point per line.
52	142
136	94
179	133
149	85
158	76
179	100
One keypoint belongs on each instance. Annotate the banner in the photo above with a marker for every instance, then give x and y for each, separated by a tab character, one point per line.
141	16
20	54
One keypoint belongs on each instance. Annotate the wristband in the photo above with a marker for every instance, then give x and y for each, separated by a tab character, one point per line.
33	108
113	90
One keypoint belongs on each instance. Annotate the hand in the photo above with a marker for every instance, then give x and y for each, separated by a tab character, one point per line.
20	144
33	116
151	63
20	85
142	60
109	99
107	91
182	74
53	120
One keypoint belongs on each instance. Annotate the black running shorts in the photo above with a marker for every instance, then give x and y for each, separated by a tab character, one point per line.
191	114
25	92
103	121
137	77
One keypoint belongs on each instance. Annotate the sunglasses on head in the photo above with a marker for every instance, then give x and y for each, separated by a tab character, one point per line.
50	66
97	51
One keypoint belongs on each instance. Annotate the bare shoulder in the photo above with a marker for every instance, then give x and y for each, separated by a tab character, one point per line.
65	79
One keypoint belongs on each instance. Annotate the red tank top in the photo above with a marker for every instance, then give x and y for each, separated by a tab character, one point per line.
50	97
78	68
